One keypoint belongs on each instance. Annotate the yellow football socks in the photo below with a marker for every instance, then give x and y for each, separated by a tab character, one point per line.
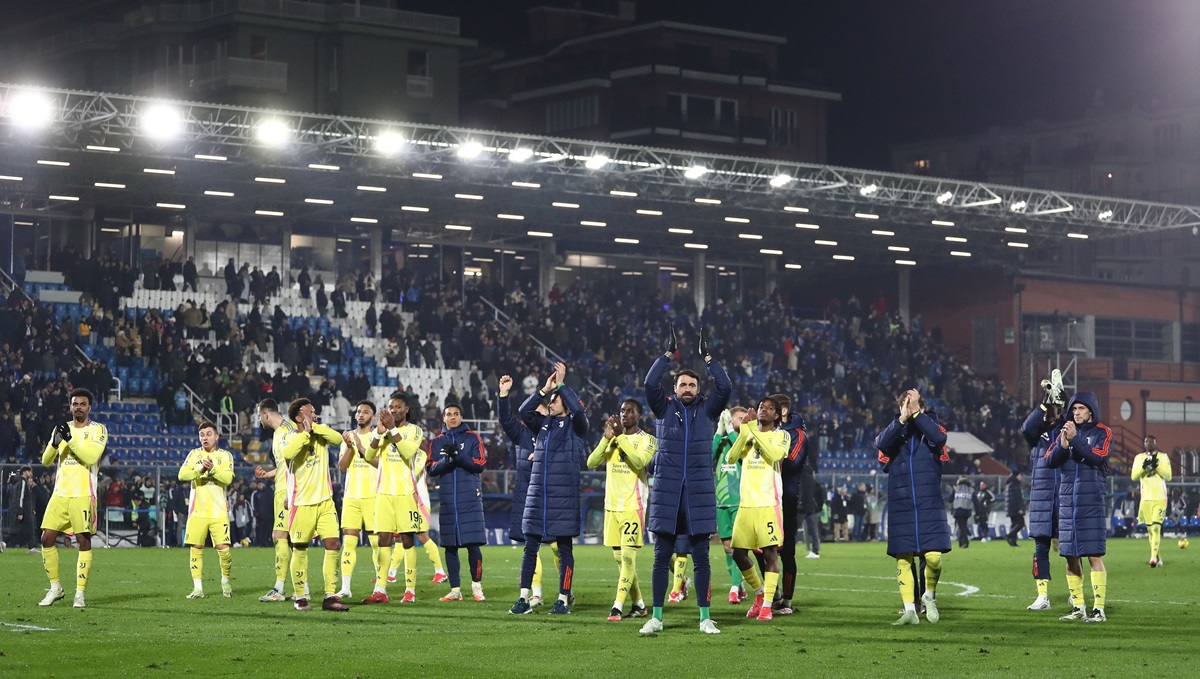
349	557
537	574
282	562
50	562
83	570
1075	586
329	570
628	560
1155	531
225	555
752	580
196	565
679	568
299	564
385	561
904	578
431	550
1043	587
933	570
410	568
1099	587
770	582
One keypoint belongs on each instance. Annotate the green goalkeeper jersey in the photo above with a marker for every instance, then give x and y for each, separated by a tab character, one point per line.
728	475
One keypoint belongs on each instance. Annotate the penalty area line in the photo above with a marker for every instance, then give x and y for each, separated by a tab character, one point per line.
26	628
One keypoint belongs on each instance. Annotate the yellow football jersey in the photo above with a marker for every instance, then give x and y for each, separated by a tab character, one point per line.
77	460
307	455
208	499
397	461
760	453
624	479
279	439
1154	485
361	476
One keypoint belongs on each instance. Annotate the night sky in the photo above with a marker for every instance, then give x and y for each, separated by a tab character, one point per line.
915	69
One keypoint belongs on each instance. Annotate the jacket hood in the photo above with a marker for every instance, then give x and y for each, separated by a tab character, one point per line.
793	421
1088	399
457	430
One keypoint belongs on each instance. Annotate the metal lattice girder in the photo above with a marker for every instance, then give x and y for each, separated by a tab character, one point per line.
594	171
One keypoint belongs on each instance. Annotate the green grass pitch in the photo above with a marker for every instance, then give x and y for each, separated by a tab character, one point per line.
138	623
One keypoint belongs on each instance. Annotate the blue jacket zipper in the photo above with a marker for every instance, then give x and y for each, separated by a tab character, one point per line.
454	472
912	484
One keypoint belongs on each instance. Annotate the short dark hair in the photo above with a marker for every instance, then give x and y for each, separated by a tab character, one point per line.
268	405
778	411
207	424
637	405
367	404
782	401
448	406
83	393
686	371
295	406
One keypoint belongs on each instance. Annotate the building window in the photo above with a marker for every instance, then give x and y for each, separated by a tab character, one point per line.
418	63
1140	339
1173	412
919	166
784	128
706	112
570	114
1190	342
258	47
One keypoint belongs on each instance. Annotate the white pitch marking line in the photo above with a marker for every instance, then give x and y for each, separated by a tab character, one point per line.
971	591
27	628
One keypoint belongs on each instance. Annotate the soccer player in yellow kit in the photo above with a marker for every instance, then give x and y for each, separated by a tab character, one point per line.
394	447
760	446
270	417
75	448
210	469
310	502
358	499
625	451
1153	469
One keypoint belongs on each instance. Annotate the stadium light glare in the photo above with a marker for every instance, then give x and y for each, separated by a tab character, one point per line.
588	222
222	194
941	222
781	180
737	220
866	215
30	110
868	190
830	243
105	149
750	236
1105	215
685	232
1018	206
623	194
527	185
844	258
540	234
897	248
811	227
470	150
1015	244
272	132
960	253
708	201
768	251
955	239
792	266
695	172
695	246
458	227
364	220
171	206
650	213
596	162
881	232
794	208
520	154
1015	229
108	185
162	121
906	262
389	143
627	241
945	197
1080	236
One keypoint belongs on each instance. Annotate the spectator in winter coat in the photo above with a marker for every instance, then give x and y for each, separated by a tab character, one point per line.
1080	450
552	500
983	508
912	450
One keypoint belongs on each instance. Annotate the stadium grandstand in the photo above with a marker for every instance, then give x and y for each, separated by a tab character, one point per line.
343	259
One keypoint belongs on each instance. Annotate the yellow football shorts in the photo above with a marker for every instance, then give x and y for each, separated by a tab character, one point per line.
73	515
358	512
1152	511
757	527
623	529
305	521
199	528
400	514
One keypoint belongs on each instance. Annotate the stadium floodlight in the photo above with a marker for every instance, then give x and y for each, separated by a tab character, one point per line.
906	262
830	243
1105	215
520	154
960	253
272	132
750	236
470	150
695	246
1015	244
869	190
596	162
627	241
945	197
1015	229
768	251
29	109
685	232
792	266
1080	236
1018	206
882	232
955	239
389	143
695	172
161	121
941	222
780	180
898	248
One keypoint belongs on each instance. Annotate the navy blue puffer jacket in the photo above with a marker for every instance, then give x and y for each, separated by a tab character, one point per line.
461	495
1082	483
522	441
912	455
1043	481
552	500
683	476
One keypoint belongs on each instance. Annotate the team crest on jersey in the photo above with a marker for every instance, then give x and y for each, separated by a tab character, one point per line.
560	424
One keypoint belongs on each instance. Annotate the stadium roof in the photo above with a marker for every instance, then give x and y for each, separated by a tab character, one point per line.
63	152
